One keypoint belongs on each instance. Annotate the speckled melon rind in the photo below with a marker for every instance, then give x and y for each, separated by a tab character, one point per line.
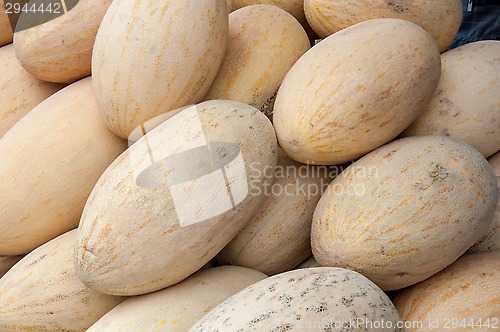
318	299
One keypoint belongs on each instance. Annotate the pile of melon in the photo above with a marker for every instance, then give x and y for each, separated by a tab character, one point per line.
248	165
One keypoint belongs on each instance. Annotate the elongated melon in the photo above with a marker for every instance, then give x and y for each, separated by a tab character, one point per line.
60	50
317	299
177	308
151	57
175	198
466	105
21	91
51	160
279	236
441	19
355	91
463	297
405	211
491	240
264	43
42	292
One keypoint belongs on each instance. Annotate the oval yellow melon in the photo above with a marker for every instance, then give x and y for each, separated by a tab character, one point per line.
462	297
51	160
491	241
42	292
314	299
466	105
6	262
405	211
355	91
61	50
151	57
278	236
264	43
184	190
20	90
177	308
441	19
6	33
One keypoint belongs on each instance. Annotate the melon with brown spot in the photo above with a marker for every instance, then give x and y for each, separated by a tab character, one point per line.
491	241
152	57
355	91
264	43
279	235
405	211
441	19
51	160
60	50
466	105
183	191
42	292
463	297
177	308
317	299
21	91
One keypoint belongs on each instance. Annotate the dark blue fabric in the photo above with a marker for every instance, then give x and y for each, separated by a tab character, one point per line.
480	23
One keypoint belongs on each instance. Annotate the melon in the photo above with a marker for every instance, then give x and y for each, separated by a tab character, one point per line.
264	42
175	198
177	308
318	299
491	241
462	297
405	211
59	50
152	57
279	236
466	104
441	19
21	91
355	91
42	292
51	160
